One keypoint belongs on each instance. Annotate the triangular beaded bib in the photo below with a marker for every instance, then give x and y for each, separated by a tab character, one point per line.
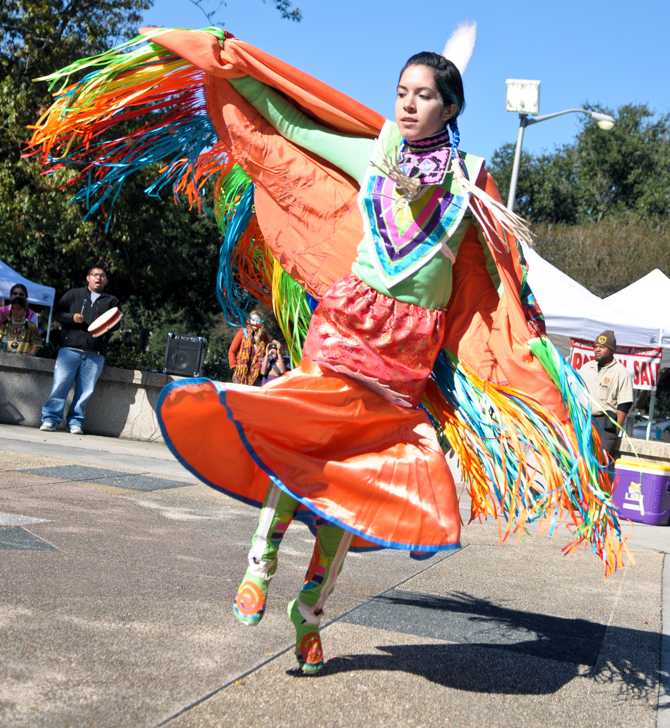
405	233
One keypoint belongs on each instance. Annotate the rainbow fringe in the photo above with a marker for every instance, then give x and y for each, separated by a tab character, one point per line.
521	463
293	310
246	264
233	209
86	128
575	397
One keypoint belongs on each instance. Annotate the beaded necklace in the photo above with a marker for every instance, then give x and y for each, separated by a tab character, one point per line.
426	160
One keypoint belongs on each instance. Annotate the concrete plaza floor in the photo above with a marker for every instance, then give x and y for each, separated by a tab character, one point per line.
117	571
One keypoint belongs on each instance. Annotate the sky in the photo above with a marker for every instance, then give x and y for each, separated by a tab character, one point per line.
603	53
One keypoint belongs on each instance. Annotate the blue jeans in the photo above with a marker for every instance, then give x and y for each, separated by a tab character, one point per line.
81	368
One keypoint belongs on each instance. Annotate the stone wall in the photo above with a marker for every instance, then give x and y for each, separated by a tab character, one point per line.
124	401
122	405
647	449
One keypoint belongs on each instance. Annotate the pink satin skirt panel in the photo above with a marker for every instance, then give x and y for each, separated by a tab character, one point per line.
387	344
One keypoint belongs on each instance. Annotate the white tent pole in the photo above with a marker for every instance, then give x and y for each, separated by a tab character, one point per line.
652	399
652	407
51	310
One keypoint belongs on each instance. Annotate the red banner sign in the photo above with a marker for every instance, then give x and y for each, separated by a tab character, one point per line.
643	364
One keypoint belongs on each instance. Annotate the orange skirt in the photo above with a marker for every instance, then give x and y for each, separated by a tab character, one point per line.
346	453
339	433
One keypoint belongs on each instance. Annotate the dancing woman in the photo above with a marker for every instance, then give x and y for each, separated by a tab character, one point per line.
371	346
399	282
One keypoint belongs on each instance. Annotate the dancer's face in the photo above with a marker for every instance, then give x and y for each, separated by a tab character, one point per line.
419	109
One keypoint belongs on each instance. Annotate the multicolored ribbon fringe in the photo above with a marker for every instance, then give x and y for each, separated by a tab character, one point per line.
247	267
293	310
89	127
233	210
522	463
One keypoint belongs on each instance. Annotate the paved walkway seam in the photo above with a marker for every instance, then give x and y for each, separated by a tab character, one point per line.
255	668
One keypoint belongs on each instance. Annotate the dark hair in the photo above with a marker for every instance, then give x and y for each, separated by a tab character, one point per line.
447	77
96	267
21	286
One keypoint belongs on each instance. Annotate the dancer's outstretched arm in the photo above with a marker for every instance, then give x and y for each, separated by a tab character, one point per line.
348	152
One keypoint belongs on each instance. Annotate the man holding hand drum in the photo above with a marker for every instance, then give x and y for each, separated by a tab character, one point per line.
85	315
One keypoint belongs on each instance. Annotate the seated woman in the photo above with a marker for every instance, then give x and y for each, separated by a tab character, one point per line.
19	335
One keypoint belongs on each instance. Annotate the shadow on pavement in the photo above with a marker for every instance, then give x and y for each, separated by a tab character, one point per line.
494	655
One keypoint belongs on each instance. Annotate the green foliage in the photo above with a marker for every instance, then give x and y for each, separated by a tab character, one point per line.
546	188
601	206
607	256
141	339
627	168
211	9
40	232
37	36
624	170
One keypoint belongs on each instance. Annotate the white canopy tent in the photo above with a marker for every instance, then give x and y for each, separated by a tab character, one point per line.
637	314
37	293
648	298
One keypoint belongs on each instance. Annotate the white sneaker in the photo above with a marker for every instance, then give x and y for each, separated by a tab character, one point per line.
76	430
48	427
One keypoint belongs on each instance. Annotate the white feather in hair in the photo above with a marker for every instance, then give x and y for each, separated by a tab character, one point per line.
458	49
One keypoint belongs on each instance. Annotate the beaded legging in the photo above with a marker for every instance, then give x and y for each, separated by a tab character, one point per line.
330	549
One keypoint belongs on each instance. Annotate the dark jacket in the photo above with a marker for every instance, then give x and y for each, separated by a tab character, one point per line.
78	300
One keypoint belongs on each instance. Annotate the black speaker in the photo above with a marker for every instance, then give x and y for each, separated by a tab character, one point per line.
184	355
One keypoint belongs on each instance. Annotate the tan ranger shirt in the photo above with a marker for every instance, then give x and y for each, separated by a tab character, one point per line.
609	387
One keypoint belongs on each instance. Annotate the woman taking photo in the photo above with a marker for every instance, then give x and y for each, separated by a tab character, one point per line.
18	296
273	365
246	355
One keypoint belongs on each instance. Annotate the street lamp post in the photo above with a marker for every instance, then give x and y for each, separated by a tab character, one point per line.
523	97
523	123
